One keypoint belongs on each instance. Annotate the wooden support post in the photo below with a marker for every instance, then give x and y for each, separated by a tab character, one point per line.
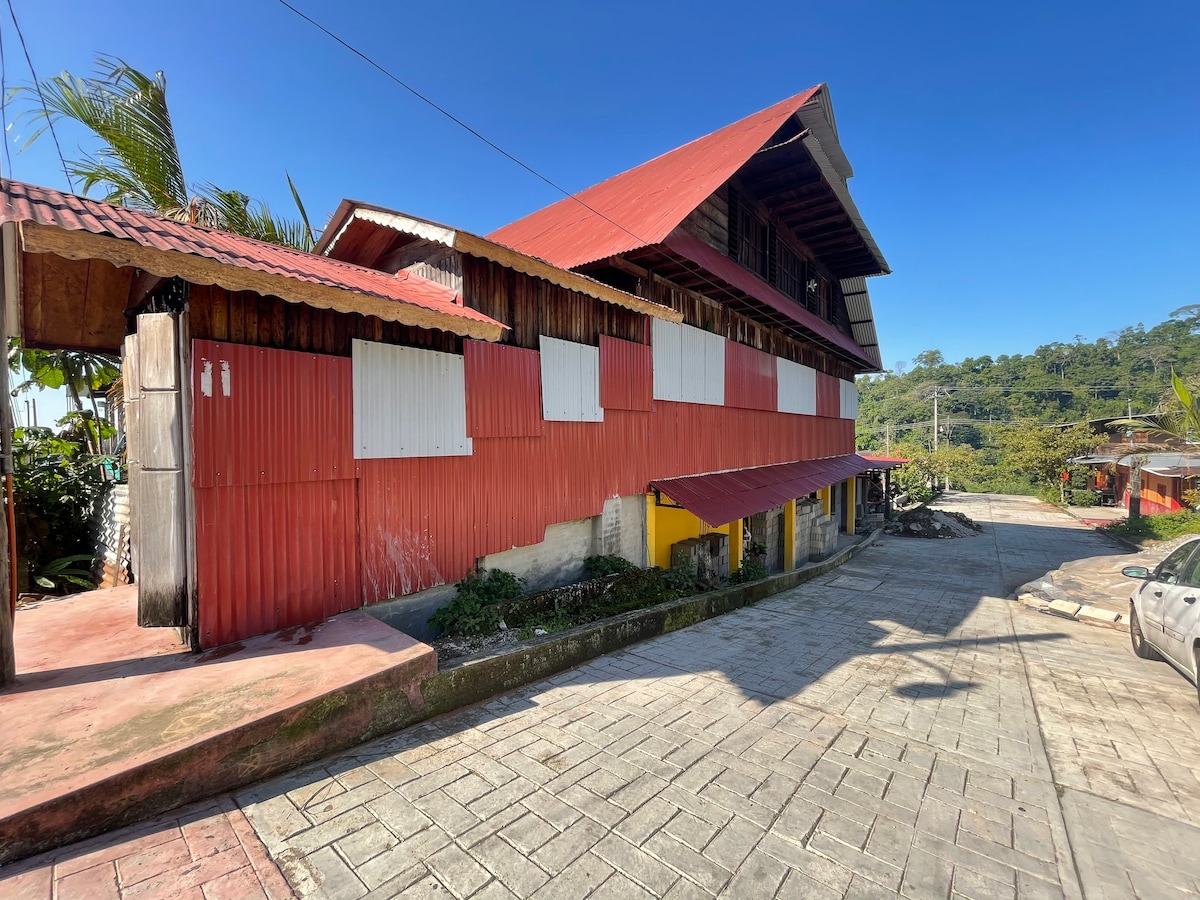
789	535
735	545
9	310
851	498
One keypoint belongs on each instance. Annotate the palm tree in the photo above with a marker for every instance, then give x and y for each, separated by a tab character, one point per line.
138	164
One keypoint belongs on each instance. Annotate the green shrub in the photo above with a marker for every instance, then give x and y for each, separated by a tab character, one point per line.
599	566
751	569
1083	497
681	579
473	609
1158	528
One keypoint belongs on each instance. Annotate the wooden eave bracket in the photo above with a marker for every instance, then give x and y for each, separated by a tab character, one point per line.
201	270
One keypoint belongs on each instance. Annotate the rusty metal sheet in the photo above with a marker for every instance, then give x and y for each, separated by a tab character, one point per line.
43	206
829	396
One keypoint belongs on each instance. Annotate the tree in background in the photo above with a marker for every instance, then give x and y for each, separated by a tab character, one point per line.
138	164
1044	452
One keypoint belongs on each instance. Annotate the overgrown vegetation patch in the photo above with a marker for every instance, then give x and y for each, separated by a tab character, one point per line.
1164	527
492	611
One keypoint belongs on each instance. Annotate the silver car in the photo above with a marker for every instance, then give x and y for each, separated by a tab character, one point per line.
1164	615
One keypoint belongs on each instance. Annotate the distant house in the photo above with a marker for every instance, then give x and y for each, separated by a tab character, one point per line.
663	366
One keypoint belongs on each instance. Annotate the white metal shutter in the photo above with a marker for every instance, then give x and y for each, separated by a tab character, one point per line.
570	381
849	393
797	387
408	402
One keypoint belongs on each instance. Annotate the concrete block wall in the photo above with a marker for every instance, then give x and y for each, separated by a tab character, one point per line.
807	512
823	537
766	528
708	555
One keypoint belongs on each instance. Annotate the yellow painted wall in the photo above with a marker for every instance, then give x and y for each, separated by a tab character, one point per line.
667	525
734	528
851	488
825	495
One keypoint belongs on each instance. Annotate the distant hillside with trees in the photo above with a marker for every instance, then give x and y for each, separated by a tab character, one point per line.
988	408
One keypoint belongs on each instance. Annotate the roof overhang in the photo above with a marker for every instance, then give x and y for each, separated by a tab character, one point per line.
688	261
351	211
721	497
79	245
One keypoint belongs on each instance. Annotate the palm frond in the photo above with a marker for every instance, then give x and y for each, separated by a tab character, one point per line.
127	110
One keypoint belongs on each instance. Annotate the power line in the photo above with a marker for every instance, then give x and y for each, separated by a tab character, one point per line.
453	118
8	170
38	87
457	121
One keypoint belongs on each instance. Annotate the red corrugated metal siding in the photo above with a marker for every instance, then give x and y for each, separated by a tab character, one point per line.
829	396
276	555
626	374
426	521
750	378
649	200
504	390
276	537
288	416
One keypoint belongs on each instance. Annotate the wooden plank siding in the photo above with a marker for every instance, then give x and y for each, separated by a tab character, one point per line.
243	317
532	307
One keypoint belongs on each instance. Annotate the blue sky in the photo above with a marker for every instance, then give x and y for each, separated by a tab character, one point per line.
1029	169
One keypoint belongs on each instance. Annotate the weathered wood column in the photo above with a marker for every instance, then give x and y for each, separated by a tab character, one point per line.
156	465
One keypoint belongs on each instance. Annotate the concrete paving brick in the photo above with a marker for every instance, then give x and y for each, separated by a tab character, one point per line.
644	869
687	862
457	870
516	872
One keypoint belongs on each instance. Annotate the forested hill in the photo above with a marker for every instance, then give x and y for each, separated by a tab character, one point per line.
1057	383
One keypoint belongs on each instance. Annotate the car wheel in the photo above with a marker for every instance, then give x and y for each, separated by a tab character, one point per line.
1141	646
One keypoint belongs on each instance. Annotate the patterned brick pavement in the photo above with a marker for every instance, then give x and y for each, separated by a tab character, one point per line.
892	729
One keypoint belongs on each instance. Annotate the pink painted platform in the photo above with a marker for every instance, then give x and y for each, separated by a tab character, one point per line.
110	723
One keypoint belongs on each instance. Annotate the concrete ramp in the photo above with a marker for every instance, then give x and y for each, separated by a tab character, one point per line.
109	723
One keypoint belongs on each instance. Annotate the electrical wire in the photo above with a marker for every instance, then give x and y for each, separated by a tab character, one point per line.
8	168
41	97
528	168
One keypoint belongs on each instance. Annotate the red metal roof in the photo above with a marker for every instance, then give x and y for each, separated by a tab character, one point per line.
743	279
884	462
724	496
44	206
648	200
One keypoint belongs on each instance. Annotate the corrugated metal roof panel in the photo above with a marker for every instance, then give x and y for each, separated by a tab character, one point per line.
43	206
862	319
721	497
641	206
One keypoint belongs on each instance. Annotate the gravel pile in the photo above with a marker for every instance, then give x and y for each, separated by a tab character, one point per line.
924	522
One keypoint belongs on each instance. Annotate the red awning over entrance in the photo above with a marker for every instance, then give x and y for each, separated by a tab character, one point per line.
724	496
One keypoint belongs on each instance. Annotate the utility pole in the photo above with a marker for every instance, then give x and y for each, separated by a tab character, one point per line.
935	417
